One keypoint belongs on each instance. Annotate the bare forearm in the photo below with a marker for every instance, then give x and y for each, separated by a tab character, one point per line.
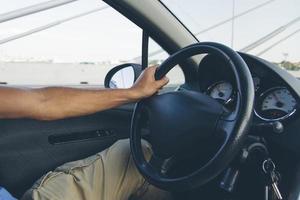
58	103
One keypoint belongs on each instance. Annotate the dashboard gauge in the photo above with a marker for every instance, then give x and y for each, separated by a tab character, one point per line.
256	82
222	91
276	104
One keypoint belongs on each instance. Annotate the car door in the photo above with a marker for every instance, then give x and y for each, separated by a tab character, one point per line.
77	54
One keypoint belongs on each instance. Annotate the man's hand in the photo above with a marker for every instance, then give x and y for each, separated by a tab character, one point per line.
146	85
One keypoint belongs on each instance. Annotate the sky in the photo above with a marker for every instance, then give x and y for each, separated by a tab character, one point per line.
102	36
108	36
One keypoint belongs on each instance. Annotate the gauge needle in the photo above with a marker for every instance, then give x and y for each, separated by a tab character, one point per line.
275	96
220	92
278	103
218	88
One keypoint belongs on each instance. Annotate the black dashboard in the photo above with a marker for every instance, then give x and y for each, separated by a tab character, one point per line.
276	94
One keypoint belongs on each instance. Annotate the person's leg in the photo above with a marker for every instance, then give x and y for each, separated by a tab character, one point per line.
109	175
152	193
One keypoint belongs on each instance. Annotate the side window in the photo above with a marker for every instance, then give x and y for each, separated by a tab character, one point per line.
157	55
76	53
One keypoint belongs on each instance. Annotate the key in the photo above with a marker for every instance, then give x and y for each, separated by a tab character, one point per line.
272	177
276	191
267	192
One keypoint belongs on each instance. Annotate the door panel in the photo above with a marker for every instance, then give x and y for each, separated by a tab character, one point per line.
26	153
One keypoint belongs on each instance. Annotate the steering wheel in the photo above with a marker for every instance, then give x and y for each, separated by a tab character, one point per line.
179	119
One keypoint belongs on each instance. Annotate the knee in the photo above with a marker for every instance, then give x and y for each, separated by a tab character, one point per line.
121	148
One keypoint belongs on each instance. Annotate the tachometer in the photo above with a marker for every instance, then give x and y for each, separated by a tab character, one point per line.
275	104
256	82
222	91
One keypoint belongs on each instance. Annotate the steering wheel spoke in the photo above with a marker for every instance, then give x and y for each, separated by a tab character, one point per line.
162	165
224	129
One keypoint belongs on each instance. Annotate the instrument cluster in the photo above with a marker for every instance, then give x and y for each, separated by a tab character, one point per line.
274	98
272	104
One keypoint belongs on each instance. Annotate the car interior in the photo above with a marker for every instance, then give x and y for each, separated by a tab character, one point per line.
230	131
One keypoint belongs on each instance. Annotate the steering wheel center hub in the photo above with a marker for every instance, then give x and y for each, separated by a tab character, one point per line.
179	119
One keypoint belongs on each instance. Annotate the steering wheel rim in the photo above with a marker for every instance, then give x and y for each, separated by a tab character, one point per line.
234	125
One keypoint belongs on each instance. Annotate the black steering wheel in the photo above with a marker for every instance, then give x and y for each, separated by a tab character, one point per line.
179	119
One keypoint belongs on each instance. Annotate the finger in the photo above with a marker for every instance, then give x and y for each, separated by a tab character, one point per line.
152	69
149	71
151	66
164	81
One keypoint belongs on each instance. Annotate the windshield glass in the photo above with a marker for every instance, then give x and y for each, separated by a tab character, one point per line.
72	45
269	29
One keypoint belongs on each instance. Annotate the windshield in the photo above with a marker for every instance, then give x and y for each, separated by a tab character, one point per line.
269	29
72	45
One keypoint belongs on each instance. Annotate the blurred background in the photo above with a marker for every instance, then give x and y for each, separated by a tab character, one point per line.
80	51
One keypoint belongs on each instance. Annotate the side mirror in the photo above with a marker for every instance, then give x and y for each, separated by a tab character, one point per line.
122	76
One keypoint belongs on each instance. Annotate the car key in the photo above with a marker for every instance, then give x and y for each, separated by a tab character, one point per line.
273	177
267	189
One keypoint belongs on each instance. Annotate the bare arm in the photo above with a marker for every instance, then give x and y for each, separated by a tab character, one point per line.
58	103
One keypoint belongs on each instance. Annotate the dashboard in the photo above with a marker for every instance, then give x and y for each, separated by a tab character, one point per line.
275	98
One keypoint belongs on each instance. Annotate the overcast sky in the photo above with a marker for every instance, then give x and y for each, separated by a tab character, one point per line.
107	35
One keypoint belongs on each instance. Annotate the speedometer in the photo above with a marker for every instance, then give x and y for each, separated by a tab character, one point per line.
276	104
222	91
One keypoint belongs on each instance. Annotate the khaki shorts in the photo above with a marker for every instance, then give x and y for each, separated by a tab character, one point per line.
109	175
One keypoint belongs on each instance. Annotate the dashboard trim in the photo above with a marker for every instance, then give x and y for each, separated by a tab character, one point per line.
277	119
